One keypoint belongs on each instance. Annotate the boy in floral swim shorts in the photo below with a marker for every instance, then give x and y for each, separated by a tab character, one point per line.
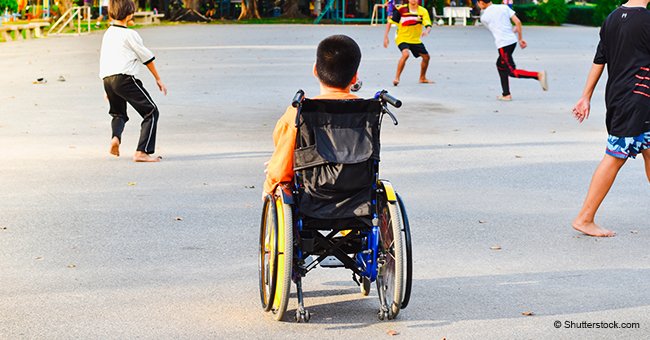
625	47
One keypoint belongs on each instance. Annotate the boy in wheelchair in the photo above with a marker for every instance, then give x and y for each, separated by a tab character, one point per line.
323	200
337	62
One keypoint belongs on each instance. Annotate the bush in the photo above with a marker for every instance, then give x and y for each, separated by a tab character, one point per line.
581	15
11	5
526	12
552	12
603	8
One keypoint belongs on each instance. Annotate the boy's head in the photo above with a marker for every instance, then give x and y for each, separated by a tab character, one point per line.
337	61
483	4
120	9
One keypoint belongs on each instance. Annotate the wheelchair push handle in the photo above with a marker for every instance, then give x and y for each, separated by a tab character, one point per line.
385	97
297	99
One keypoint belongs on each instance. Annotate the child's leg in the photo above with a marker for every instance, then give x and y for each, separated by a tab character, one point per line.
646	159
601	182
133	91
118	111
504	73
423	68
400	65
506	54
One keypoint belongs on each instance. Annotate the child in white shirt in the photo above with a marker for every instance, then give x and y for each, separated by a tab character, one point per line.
497	18
122	52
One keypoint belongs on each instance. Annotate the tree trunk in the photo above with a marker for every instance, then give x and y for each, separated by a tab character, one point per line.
64	5
192	4
291	9
249	10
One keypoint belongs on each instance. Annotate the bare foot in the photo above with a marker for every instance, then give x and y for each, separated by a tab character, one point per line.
395	82
115	147
143	157
592	229
426	81
507	98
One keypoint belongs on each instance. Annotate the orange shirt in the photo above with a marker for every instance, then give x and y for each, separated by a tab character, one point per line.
280	167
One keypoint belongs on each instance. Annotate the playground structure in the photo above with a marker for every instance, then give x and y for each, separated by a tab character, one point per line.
77	12
344	11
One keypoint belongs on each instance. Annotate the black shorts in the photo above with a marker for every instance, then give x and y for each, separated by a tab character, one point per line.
416	49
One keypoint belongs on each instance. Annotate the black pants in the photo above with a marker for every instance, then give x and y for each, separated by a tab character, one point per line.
507	68
122	89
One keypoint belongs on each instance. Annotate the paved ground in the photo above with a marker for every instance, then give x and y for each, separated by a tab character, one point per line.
90	246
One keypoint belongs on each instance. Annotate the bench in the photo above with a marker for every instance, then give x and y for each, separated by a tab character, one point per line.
31	30
147	18
459	14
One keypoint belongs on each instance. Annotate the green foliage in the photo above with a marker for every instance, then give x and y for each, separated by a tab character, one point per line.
439	5
526	12
581	15
603	8
552	12
11	5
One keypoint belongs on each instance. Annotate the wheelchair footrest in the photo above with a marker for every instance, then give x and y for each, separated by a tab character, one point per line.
331	262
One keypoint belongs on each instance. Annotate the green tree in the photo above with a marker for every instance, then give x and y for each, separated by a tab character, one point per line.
552	12
10	5
603	8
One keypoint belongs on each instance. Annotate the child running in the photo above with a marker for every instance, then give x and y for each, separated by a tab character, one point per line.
409	19
497	18
337	62
122	52
625	47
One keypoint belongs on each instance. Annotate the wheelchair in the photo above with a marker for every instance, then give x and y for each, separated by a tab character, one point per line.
337	212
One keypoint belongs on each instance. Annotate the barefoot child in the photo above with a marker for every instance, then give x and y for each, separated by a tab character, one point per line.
497	18
625	48
337	62
409	19
121	54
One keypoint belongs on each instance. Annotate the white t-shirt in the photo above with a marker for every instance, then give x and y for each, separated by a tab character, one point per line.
497	19
122	52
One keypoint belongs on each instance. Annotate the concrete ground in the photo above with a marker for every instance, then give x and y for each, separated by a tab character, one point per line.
97	247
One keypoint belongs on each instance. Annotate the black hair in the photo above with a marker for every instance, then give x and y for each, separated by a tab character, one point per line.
120	9
337	60
486	1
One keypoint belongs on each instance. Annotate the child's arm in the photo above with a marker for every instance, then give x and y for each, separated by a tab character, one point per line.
154	72
583	106
517	22
426	22
388	24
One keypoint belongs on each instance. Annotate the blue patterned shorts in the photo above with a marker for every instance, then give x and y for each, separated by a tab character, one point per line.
626	147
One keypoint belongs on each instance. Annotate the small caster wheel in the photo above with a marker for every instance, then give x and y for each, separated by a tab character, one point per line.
302	316
382	315
365	286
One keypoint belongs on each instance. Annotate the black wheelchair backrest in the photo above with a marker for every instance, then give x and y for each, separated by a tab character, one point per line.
336	157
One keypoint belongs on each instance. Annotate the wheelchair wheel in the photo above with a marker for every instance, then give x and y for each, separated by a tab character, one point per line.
408	255
285	258
390	277
268	253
